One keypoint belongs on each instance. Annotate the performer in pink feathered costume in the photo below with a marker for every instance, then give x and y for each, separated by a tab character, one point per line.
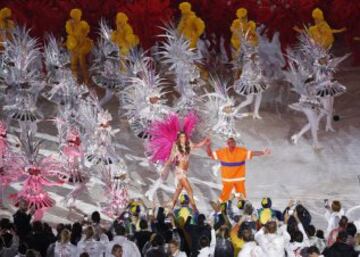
170	143
35	175
116	188
75	170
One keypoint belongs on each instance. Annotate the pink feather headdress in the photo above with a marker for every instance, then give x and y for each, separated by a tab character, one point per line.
163	135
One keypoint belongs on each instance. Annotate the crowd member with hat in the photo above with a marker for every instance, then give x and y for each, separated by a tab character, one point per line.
184	211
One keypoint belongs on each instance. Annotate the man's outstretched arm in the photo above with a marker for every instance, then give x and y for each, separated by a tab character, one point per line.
265	152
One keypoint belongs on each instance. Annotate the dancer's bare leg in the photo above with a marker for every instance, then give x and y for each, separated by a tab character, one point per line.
258	98
249	99
179	188
314	120
328	104
295	138
189	191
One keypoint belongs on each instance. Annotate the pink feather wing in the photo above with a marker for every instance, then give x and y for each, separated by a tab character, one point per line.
190	122
162	134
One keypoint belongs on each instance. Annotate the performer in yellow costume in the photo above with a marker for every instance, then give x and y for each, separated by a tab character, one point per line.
241	28
78	43
321	32
238	28
190	26
6	24
124	36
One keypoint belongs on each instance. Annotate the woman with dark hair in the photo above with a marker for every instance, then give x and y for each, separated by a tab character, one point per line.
169	144
180	155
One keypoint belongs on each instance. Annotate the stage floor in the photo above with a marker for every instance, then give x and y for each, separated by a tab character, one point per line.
292	171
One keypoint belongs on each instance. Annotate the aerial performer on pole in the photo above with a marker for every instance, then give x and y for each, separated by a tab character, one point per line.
124	37
321	33
6	25
170	144
78	43
238	29
190	26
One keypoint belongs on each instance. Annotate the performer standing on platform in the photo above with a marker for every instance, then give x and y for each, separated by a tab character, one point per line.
233	171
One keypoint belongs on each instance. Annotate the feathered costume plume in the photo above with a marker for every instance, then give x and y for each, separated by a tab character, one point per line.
98	136
36	173
63	90
181	60
251	80
23	78
143	98
106	64
218	109
163	135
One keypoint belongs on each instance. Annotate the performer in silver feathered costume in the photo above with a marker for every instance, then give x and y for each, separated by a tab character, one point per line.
116	189
106	65
181	61
219	110
101	153
72	157
143	98
23	79
251	83
322	65
308	102
62	88
99	135
310	72
56	58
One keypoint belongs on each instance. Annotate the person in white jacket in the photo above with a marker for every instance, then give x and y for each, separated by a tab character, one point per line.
332	215
89	244
129	248
207	250
299	239
250	247
63	247
174	249
273	240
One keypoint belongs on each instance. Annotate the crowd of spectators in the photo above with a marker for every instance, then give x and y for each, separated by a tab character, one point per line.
234	228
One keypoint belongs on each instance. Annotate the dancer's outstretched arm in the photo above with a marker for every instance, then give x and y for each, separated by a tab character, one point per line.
201	143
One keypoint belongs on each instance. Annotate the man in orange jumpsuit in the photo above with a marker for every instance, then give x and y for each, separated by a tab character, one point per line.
232	159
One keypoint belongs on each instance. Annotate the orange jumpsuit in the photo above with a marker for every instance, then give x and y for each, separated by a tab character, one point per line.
232	170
